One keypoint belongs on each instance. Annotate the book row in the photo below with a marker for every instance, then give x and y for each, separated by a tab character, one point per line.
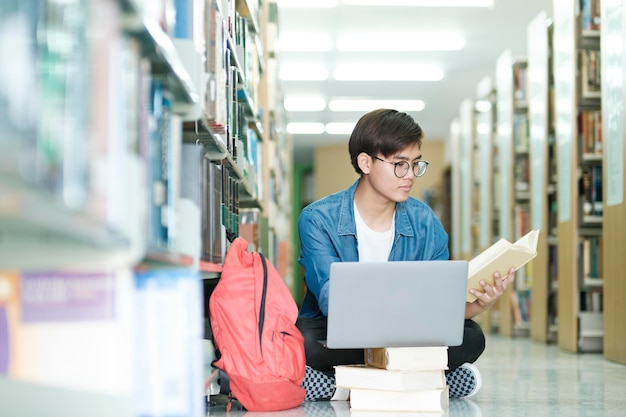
128	334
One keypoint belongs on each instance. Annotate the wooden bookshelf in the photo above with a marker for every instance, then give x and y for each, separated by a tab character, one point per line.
512	120
276	150
484	219
466	173
456	199
613	98
484	162
107	167
542	186
579	164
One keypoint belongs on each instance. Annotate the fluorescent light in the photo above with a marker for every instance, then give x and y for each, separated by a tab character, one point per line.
483	128
427	41
387	72
303	72
340	128
347	104
307	4
311	103
305	42
483	106
305	128
421	3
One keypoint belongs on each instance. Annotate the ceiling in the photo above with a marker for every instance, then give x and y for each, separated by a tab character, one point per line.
487	32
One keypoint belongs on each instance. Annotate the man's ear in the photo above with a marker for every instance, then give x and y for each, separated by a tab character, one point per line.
364	161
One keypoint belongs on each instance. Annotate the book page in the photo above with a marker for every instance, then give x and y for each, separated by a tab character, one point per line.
529	240
483	258
499	257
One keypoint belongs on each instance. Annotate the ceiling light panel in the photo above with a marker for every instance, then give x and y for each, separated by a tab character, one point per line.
303	72
398	42
340	128
305	103
296	128
305	42
387	72
420	3
352	104
483	106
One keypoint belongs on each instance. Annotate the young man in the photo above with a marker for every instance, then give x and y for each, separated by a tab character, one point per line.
375	219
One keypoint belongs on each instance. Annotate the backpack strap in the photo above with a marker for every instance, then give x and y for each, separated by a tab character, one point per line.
224	383
262	306
230	235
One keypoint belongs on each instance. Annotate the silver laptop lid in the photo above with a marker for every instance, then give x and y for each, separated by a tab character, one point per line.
395	304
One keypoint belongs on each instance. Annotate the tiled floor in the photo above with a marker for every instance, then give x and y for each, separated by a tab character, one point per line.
520	378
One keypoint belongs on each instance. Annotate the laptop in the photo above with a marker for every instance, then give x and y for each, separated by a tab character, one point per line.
396	304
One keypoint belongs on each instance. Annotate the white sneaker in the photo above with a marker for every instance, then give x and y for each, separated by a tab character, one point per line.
341	394
464	381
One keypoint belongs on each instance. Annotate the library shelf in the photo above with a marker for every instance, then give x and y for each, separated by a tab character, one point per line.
38	231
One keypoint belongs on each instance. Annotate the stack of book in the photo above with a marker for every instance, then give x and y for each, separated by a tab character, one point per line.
403	379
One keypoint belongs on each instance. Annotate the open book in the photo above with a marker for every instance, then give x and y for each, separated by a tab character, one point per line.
500	256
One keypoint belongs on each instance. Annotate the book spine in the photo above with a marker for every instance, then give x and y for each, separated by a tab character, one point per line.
377	357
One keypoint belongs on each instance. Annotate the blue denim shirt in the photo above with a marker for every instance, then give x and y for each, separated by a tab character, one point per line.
328	234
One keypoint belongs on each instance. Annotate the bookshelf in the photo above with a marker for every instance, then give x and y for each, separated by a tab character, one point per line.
612	39
456	196
466	174
514	184
476	195
580	172
277	154
542	178
484	165
133	152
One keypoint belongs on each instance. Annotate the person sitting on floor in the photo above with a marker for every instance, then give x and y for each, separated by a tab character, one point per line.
376	219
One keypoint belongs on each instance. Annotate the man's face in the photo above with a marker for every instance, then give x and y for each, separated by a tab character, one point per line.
383	176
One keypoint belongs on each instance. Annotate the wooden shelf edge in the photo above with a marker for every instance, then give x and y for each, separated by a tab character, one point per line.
165	258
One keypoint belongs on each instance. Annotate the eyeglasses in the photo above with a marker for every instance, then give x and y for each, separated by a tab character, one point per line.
402	168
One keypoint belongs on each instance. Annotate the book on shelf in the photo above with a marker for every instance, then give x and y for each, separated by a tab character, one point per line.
167	359
408	358
368	377
499	257
433	400
54	323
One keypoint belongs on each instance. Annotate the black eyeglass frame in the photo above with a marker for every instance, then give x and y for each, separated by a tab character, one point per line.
405	164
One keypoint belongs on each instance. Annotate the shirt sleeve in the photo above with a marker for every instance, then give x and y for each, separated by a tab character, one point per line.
440	247
317	252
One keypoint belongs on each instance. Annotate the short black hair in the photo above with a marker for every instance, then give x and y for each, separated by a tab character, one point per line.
384	132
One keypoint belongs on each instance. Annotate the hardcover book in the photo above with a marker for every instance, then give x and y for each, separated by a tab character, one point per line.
367	377
434	400
408	358
500	256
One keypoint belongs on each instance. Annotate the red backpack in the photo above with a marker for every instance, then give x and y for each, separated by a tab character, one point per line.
260	350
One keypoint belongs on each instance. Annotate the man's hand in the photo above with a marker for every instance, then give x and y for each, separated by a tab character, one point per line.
486	298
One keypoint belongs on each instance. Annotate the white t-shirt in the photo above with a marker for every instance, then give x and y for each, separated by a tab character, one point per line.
373	246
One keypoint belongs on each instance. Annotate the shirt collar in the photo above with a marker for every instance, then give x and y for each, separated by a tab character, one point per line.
347	224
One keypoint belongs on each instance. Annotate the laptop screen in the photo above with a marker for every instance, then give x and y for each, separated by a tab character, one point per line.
396	304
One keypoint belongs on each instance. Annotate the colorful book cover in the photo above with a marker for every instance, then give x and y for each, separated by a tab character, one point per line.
67	329
168	343
8	311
